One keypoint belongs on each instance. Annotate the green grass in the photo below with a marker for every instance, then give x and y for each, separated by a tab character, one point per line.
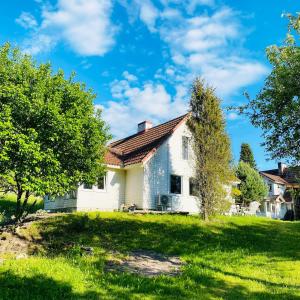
8	203
228	258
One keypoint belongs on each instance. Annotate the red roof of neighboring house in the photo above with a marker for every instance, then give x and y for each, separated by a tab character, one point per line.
288	178
138	147
273	177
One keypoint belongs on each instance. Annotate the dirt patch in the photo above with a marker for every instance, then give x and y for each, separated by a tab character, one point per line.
12	241
13	245
147	264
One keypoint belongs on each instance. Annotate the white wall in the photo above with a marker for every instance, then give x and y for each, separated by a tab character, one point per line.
277	189
59	203
111	198
134	186
166	161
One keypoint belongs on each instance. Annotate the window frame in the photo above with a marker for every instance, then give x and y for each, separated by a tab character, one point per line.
181	190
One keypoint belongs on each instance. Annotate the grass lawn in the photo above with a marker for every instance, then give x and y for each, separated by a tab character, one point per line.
228	258
8	202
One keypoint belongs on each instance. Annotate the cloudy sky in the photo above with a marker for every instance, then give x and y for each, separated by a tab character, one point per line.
140	56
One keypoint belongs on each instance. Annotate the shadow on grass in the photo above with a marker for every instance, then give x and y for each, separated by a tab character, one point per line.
264	282
8	204
202	287
275	240
37	287
41	287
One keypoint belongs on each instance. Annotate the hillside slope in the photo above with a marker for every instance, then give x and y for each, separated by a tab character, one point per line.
228	258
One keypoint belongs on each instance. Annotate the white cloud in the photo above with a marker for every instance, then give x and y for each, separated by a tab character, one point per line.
119	117
27	20
148	14
38	43
230	75
207	45
128	76
193	4
143	10
189	5
135	103
84	25
232	116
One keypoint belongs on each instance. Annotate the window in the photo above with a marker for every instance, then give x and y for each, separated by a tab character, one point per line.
185	147
175	186
101	183
193	186
87	186
270	188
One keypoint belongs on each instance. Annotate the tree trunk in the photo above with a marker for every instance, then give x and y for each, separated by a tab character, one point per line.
21	207
205	214
18	205
204	210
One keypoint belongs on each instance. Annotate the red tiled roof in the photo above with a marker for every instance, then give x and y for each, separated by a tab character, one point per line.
288	178
274	178
136	148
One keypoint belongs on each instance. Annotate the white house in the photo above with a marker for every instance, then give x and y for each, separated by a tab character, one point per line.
152	169
279	199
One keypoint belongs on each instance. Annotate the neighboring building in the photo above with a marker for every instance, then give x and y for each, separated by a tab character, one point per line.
152	169
280	182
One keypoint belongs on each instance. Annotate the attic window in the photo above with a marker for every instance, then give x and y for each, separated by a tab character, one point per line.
185	147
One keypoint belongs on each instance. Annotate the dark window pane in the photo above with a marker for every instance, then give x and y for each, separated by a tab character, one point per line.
193	187
175	187
185	147
87	186
101	183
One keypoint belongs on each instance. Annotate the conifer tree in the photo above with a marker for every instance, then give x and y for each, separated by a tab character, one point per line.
211	147
247	156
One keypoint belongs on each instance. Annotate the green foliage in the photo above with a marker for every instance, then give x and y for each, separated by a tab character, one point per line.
50	136
252	186
247	156
235	192
211	146
276	108
228	258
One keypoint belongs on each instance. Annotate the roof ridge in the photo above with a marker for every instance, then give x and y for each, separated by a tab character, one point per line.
113	144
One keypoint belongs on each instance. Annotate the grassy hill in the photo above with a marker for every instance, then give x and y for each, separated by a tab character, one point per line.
228	258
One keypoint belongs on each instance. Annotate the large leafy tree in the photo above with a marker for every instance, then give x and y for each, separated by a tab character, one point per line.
51	138
276	109
211	147
247	156
252	186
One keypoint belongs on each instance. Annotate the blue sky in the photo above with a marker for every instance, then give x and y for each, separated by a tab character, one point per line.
140	56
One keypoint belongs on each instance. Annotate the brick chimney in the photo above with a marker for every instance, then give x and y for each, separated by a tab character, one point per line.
144	126
281	168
